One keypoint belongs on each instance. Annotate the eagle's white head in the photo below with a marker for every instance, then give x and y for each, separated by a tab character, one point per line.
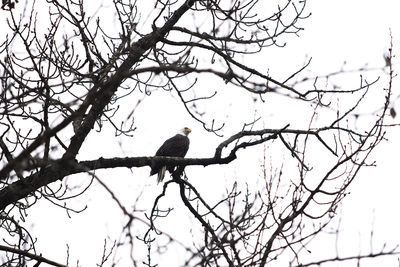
185	131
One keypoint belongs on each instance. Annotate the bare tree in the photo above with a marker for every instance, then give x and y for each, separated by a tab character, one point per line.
65	68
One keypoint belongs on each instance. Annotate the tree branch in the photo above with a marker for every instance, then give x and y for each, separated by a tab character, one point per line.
40	259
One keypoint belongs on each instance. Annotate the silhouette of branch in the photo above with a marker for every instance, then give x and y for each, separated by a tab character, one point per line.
38	258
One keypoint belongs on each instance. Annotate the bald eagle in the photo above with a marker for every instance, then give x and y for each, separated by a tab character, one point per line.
176	146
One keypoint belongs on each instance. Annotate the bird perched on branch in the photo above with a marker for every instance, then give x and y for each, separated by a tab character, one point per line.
176	146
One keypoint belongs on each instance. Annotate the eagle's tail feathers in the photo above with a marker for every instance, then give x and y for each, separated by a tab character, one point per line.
161	174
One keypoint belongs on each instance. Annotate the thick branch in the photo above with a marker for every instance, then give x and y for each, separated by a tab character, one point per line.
57	170
110	87
30	255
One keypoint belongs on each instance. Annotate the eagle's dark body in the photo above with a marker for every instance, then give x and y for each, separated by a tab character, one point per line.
176	146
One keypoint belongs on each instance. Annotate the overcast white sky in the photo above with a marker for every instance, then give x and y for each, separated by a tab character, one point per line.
354	31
